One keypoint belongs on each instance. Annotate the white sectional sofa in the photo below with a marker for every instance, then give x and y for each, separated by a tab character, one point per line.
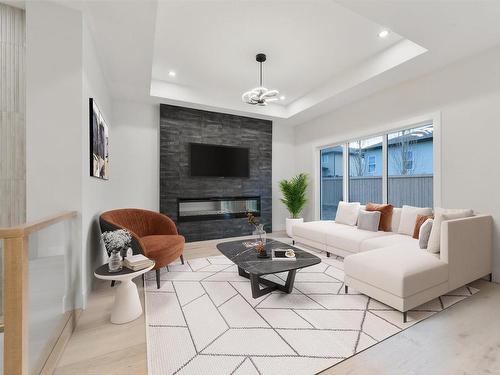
391	268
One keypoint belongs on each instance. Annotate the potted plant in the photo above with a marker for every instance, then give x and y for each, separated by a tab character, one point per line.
294	198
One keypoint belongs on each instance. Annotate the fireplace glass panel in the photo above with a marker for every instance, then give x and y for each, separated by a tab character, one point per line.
217	208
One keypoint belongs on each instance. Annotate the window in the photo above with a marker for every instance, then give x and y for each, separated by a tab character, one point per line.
410	167
408	154
371	164
331	181
365	181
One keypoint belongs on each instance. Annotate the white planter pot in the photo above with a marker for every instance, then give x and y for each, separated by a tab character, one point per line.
290	223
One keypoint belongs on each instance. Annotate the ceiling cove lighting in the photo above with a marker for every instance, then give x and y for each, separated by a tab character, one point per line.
383	34
260	95
172	73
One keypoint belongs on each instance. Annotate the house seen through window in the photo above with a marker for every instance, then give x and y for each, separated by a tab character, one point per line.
371	164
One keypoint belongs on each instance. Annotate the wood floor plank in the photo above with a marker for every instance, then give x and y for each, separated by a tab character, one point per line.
131	360
96	340
462	339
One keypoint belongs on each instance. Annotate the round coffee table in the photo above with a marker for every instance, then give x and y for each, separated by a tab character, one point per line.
127	305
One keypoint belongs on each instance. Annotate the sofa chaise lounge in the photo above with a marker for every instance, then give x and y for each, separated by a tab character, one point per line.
393	269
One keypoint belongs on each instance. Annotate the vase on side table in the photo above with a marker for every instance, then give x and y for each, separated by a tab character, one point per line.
115	261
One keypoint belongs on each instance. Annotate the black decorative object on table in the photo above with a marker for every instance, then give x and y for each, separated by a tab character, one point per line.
263	254
252	267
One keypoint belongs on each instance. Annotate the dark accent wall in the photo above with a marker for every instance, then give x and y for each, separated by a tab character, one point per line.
180	126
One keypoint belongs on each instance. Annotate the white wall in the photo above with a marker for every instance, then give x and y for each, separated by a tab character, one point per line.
95	192
63	72
53	126
133	162
133	180
53	109
135	154
283	167
467	94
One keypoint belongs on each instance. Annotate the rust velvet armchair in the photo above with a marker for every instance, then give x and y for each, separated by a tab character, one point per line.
153	234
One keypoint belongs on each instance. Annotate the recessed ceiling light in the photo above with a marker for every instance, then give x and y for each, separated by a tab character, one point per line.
171	73
383	33
282	97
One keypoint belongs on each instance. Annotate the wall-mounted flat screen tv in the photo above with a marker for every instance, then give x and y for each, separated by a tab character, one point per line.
218	161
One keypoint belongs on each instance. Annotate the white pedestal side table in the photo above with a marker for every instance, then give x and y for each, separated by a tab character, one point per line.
127	305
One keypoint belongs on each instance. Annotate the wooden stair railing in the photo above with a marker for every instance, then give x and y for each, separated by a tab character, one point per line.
15	304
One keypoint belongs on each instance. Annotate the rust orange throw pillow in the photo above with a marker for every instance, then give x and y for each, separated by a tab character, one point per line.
385	215
418	223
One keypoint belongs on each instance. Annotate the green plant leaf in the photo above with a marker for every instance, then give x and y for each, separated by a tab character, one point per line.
294	194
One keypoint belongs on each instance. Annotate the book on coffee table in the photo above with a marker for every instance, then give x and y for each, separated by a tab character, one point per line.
137	262
283	254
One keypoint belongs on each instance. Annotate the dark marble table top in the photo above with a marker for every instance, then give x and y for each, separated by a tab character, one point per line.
103	271
246	258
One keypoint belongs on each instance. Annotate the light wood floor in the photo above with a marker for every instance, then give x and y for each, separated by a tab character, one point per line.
463	339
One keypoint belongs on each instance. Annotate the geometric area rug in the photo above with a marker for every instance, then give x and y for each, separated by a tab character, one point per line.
203	320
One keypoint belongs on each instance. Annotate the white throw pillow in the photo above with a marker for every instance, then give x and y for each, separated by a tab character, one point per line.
434	245
347	213
409	217
396	217
425	233
369	220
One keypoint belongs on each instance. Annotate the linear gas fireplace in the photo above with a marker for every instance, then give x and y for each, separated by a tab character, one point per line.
216	208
